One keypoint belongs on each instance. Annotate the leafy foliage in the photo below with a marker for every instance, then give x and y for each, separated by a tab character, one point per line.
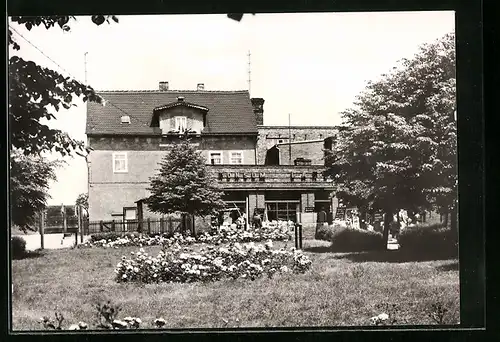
18	247
183	184
355	240
83	201
29	185
399	146
435	240
34	93
235	261
224	235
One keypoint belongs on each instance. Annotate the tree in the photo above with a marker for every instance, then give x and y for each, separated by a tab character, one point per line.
183	185
83	201
399	148
29	184
34	92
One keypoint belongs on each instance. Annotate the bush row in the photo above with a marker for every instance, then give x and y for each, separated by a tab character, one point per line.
345	239
429	239
224	235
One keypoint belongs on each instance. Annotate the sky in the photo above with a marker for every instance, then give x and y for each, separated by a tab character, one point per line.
308	65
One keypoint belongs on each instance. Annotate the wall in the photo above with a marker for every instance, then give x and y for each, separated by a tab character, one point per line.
312	150
109	192
108	199
227	144
270	135
194	118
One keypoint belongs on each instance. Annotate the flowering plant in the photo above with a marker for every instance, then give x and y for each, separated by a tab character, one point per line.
225	234
175	264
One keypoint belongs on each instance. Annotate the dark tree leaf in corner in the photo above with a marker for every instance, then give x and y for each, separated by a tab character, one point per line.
98	19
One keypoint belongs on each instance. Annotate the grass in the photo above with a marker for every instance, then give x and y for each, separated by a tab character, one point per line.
337	291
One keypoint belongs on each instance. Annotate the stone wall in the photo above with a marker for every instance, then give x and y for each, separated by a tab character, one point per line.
271	135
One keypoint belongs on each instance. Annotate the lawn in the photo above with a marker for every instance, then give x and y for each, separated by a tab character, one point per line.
340	289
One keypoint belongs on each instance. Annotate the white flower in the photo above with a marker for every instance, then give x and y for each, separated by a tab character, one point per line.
383	317
74	327
117	324
284	269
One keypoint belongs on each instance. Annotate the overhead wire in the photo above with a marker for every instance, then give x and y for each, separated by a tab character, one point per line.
106	101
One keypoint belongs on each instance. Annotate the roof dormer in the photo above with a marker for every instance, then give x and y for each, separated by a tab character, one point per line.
179	116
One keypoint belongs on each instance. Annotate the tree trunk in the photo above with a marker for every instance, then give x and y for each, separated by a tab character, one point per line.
446	212
193	228
362	219
454	217
387	224
184	223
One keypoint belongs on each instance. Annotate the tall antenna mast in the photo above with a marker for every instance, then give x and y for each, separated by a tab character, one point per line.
249	73
290	138
85	64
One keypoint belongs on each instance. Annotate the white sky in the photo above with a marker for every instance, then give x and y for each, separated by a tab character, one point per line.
311	65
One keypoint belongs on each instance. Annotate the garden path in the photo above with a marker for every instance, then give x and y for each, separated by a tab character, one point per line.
50	241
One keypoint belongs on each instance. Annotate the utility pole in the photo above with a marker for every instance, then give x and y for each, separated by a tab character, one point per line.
249	73
289	139
41	228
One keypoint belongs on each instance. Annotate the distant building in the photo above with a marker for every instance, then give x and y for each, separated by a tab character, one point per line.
276	169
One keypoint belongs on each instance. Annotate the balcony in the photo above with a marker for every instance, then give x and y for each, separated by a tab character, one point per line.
278	177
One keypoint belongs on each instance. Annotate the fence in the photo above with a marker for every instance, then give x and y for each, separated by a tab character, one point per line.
167	225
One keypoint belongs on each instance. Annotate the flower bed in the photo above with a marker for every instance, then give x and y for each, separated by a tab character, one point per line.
224	235
175	264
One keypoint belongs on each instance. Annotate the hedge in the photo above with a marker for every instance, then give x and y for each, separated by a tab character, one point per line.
429	239
18	247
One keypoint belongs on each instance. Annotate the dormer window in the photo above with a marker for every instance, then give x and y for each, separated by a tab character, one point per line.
180	123
125	119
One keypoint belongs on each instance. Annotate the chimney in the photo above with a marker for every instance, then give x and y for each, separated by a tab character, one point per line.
258	109
163	86
200	86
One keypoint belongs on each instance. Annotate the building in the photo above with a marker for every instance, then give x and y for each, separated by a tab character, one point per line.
275	169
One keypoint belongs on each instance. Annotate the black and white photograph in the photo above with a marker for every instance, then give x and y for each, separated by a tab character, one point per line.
215	171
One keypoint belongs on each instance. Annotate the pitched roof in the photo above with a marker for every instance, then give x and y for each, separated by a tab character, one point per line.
228	111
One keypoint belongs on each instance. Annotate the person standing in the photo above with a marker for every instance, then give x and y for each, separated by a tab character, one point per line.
321	219
257	219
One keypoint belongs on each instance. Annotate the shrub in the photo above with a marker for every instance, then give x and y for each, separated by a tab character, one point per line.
106	236
356	240
18	247
429	239
224	235
326	233
175	264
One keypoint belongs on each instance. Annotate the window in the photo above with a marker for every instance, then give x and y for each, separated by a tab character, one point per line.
215	157
236	157
120	162
284	210
180	123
